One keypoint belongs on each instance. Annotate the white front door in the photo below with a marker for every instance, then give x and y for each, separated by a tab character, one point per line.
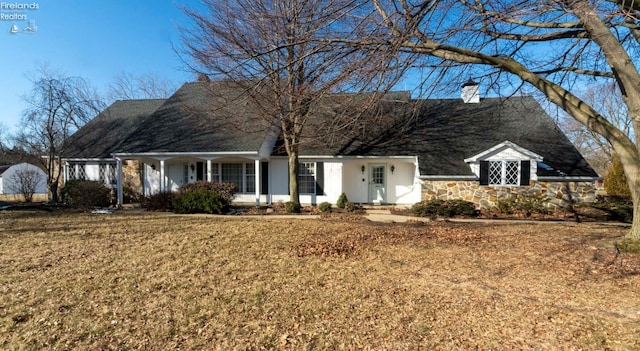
377	193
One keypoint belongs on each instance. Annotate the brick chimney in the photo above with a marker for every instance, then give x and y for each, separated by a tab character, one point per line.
470	94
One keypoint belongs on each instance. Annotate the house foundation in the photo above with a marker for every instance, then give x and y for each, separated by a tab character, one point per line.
558	194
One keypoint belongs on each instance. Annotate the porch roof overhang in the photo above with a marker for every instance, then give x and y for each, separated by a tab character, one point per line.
77	159
199	154
341	157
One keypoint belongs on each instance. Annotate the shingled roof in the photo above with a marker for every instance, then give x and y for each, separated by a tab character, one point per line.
105	133
200	117
220	117
443	132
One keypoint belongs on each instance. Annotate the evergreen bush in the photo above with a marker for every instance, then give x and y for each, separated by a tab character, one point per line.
200	200
325	207
342	200
85	194
615	182
292	207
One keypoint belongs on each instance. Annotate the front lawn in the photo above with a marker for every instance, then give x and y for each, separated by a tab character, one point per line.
164	281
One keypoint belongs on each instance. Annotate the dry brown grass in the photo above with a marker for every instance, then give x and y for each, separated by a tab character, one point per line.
158	282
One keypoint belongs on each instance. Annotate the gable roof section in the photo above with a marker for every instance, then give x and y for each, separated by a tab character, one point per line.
200	117
503	146
104	134
445	132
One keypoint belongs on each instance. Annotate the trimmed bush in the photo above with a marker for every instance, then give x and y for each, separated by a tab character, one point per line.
342	200
325	207
226	190
350	207
444	208
200	200
85	194
160	202
292	207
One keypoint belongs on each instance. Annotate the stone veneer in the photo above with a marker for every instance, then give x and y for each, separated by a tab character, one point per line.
560	194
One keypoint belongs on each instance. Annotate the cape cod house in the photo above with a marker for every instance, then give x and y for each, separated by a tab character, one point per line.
401	152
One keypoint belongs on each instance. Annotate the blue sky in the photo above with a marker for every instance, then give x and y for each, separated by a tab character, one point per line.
95	40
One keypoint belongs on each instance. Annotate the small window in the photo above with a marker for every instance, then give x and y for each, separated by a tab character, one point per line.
307	178
72	171
503	172
102	172
113	179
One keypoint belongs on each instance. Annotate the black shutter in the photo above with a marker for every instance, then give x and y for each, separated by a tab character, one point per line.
264	178
320	178
484	172
525	172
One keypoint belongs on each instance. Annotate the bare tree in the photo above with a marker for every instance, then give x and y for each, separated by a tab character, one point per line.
127	86
26	181
4	138
555	46
272	50
57	106
596	149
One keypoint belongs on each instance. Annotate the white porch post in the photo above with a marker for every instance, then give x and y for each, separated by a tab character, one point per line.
208	170
162	180
119	180
257	182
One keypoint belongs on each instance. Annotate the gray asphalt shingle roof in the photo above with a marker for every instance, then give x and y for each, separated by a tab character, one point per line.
105	133
218	117
200	117
443	132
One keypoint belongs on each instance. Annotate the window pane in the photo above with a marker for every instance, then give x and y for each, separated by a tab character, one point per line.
495	172
250	170
72	171
306	178
512	174
215	172
112	174
102	172
82	173
232	173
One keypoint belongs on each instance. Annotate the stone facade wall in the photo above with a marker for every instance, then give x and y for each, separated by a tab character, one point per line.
560	194
132	176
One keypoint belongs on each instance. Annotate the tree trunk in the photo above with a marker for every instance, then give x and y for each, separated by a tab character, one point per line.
634	186
294	194
53	189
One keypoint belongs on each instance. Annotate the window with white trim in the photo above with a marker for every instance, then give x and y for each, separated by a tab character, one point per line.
504	172
243	175
307	177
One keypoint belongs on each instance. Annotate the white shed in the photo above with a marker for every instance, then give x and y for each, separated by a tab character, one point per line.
13	178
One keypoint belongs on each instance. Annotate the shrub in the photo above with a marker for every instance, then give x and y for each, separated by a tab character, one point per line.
616	208
615	182
226	190
325	207
292	207
350	206
200	200
532	203
444	208
505	206
86	194
160	202
342	200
